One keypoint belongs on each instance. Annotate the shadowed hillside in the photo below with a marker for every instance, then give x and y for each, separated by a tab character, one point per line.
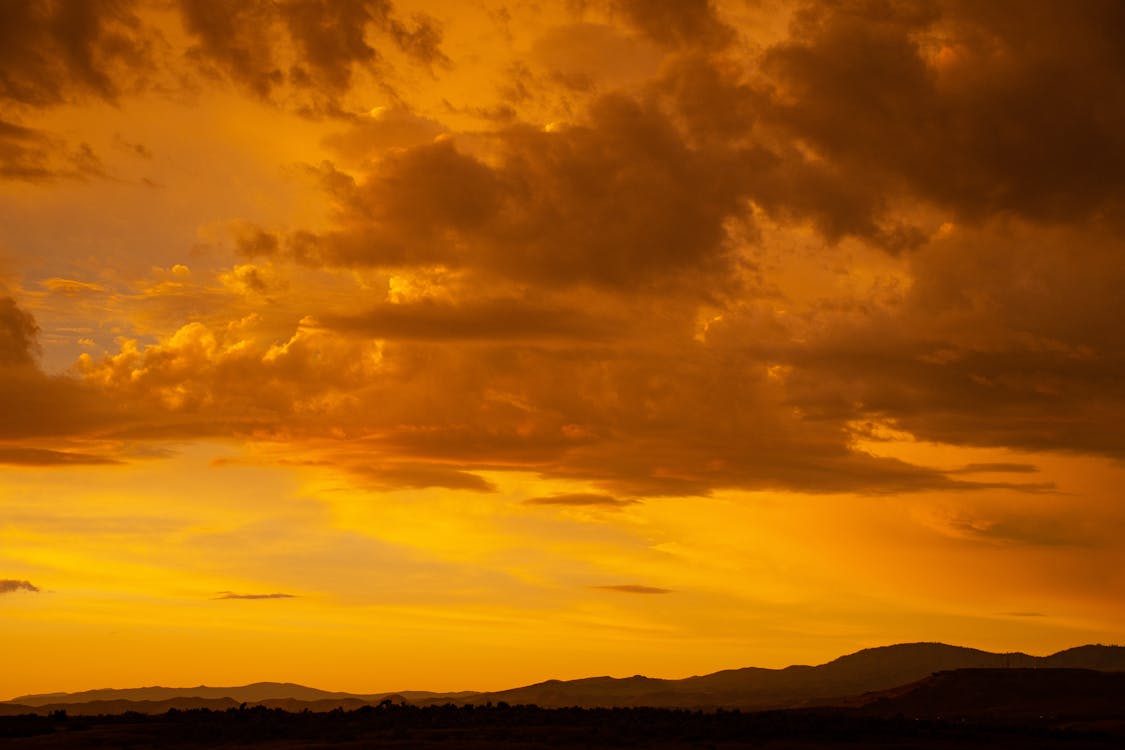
1072	694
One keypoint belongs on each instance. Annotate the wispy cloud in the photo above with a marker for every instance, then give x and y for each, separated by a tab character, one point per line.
633	588
1023	614
45	457
580	499
996	468
233	595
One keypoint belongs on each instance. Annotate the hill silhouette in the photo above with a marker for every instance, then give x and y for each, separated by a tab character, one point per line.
851	680
865	671
258	692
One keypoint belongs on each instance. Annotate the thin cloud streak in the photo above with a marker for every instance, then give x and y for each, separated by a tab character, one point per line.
233	595
633	588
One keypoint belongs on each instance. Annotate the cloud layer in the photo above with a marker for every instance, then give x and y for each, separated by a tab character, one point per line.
613	297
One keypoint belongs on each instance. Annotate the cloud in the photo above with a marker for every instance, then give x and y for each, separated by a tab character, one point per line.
944	100
71	287
621	201
17	334
487	320
1003	339
35	404
416	476
312	49
677	22
8	586
1015	528
46	457
33	155
580	500
633	588
232	595
676	288
51	53
384	128
996	468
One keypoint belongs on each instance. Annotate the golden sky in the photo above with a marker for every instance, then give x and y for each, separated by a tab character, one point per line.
386	345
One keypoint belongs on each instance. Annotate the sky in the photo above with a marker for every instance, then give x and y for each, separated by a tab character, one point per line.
383	345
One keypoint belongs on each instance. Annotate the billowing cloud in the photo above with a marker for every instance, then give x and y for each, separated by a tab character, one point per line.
621	201
8	586
612	298
945	100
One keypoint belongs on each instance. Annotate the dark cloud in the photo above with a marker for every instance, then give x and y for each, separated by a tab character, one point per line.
677	22
620	201
487	320
580	500
633	588
31	155
1006	338
8	586
35	404
236	39
978	108
250	43
18	333
53	52
232	595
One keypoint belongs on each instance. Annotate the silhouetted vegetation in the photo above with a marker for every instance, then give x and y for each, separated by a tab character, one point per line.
452	727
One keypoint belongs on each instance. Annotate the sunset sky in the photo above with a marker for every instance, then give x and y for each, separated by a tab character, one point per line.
456	344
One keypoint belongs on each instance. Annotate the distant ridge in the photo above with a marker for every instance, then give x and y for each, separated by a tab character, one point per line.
842	681
865	671
258	692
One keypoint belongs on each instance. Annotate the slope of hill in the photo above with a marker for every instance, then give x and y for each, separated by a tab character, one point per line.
1052	693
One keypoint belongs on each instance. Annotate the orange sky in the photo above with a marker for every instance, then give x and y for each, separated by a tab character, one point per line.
445	345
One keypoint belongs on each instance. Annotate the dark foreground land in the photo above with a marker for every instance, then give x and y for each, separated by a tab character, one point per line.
523	727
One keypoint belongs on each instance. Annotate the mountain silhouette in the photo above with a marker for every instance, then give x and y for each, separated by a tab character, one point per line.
865	671
858	679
